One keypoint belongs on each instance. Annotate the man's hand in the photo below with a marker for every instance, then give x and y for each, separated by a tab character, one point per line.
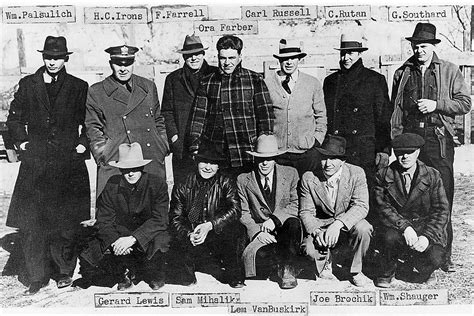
381	160
426	106
410	236
200	233
80	149
332	233
266	238
267	226
123	245
23	145
421	244
319	238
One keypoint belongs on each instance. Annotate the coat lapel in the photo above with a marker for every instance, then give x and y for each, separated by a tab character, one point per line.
253	187
281	185
343	190
40	89
139	93
420	186
112	89
323	196
395	187
185	83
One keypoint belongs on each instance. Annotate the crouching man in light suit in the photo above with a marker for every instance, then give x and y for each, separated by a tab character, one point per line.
333	206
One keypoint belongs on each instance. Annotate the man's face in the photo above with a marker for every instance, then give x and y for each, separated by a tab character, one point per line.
265	165
349	57
132	175
54	64
228	60
194	60
289	65
207	169
330	166
122	70
407	160
423	51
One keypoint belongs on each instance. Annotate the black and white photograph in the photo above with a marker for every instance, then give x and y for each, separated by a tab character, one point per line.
273	158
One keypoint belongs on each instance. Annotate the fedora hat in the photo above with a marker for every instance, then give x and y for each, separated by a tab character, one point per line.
130	156
55	46
210	152
267	146
333	146
289	49
424	33
351	41
192	44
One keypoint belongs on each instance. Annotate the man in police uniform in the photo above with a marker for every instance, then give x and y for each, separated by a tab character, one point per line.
124	108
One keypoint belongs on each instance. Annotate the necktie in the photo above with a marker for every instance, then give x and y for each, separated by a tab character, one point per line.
53	80
266	187
407	180
285	85
128	86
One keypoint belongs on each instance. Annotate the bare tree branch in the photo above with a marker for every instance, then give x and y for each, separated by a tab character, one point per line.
451	42
457	9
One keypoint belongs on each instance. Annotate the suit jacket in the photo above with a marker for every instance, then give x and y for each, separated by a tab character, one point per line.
178	97
300	118
142	213
425	208
115	116
352	202
255	209
51	169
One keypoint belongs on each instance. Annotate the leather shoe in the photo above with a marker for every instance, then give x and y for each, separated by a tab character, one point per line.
126	282
448	266
360	280
237	284
35	287
64	281
287	279
383	282
156	284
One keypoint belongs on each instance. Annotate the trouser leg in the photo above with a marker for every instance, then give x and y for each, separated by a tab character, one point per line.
392	245
428	261
359	241
288	241
62	247
34	243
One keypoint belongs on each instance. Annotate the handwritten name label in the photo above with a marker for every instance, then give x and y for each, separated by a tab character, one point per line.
114	15
136	299
343	298
347	13
419	13
414	297
220	27
39	14
179	300
278	12
166	14
269	308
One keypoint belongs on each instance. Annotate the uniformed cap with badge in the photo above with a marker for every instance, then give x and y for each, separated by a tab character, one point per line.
122	55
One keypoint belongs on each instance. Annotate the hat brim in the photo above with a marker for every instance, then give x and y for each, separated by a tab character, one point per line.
190	51
54	53
405	150
216	160
293	54
328	153
423	40
356	49
266	155
129	164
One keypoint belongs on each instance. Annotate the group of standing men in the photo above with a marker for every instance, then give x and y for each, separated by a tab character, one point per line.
285	158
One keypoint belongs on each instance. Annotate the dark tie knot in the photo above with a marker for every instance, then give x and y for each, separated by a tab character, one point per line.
285	84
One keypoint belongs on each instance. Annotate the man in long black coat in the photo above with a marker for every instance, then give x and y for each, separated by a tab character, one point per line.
178	96
52	194
358	108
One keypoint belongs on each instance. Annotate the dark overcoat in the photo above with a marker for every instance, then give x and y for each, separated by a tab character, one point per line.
425	208
141	213
114	116
52	188
178	97
358	109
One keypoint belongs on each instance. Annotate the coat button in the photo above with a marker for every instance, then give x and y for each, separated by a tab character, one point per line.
355	110
336	132
128	132
148	144
146	115
354	131
124	117
148	129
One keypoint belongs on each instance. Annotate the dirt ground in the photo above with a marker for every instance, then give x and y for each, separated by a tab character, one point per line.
459	284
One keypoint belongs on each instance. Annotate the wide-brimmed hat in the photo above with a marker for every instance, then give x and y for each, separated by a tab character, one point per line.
192	44
351	41
55	46
130	156
424	33
289	49
267	146
407	142
210	152
333	147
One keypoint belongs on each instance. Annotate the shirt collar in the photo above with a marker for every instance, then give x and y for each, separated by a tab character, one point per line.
335	177
270	177
294	76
